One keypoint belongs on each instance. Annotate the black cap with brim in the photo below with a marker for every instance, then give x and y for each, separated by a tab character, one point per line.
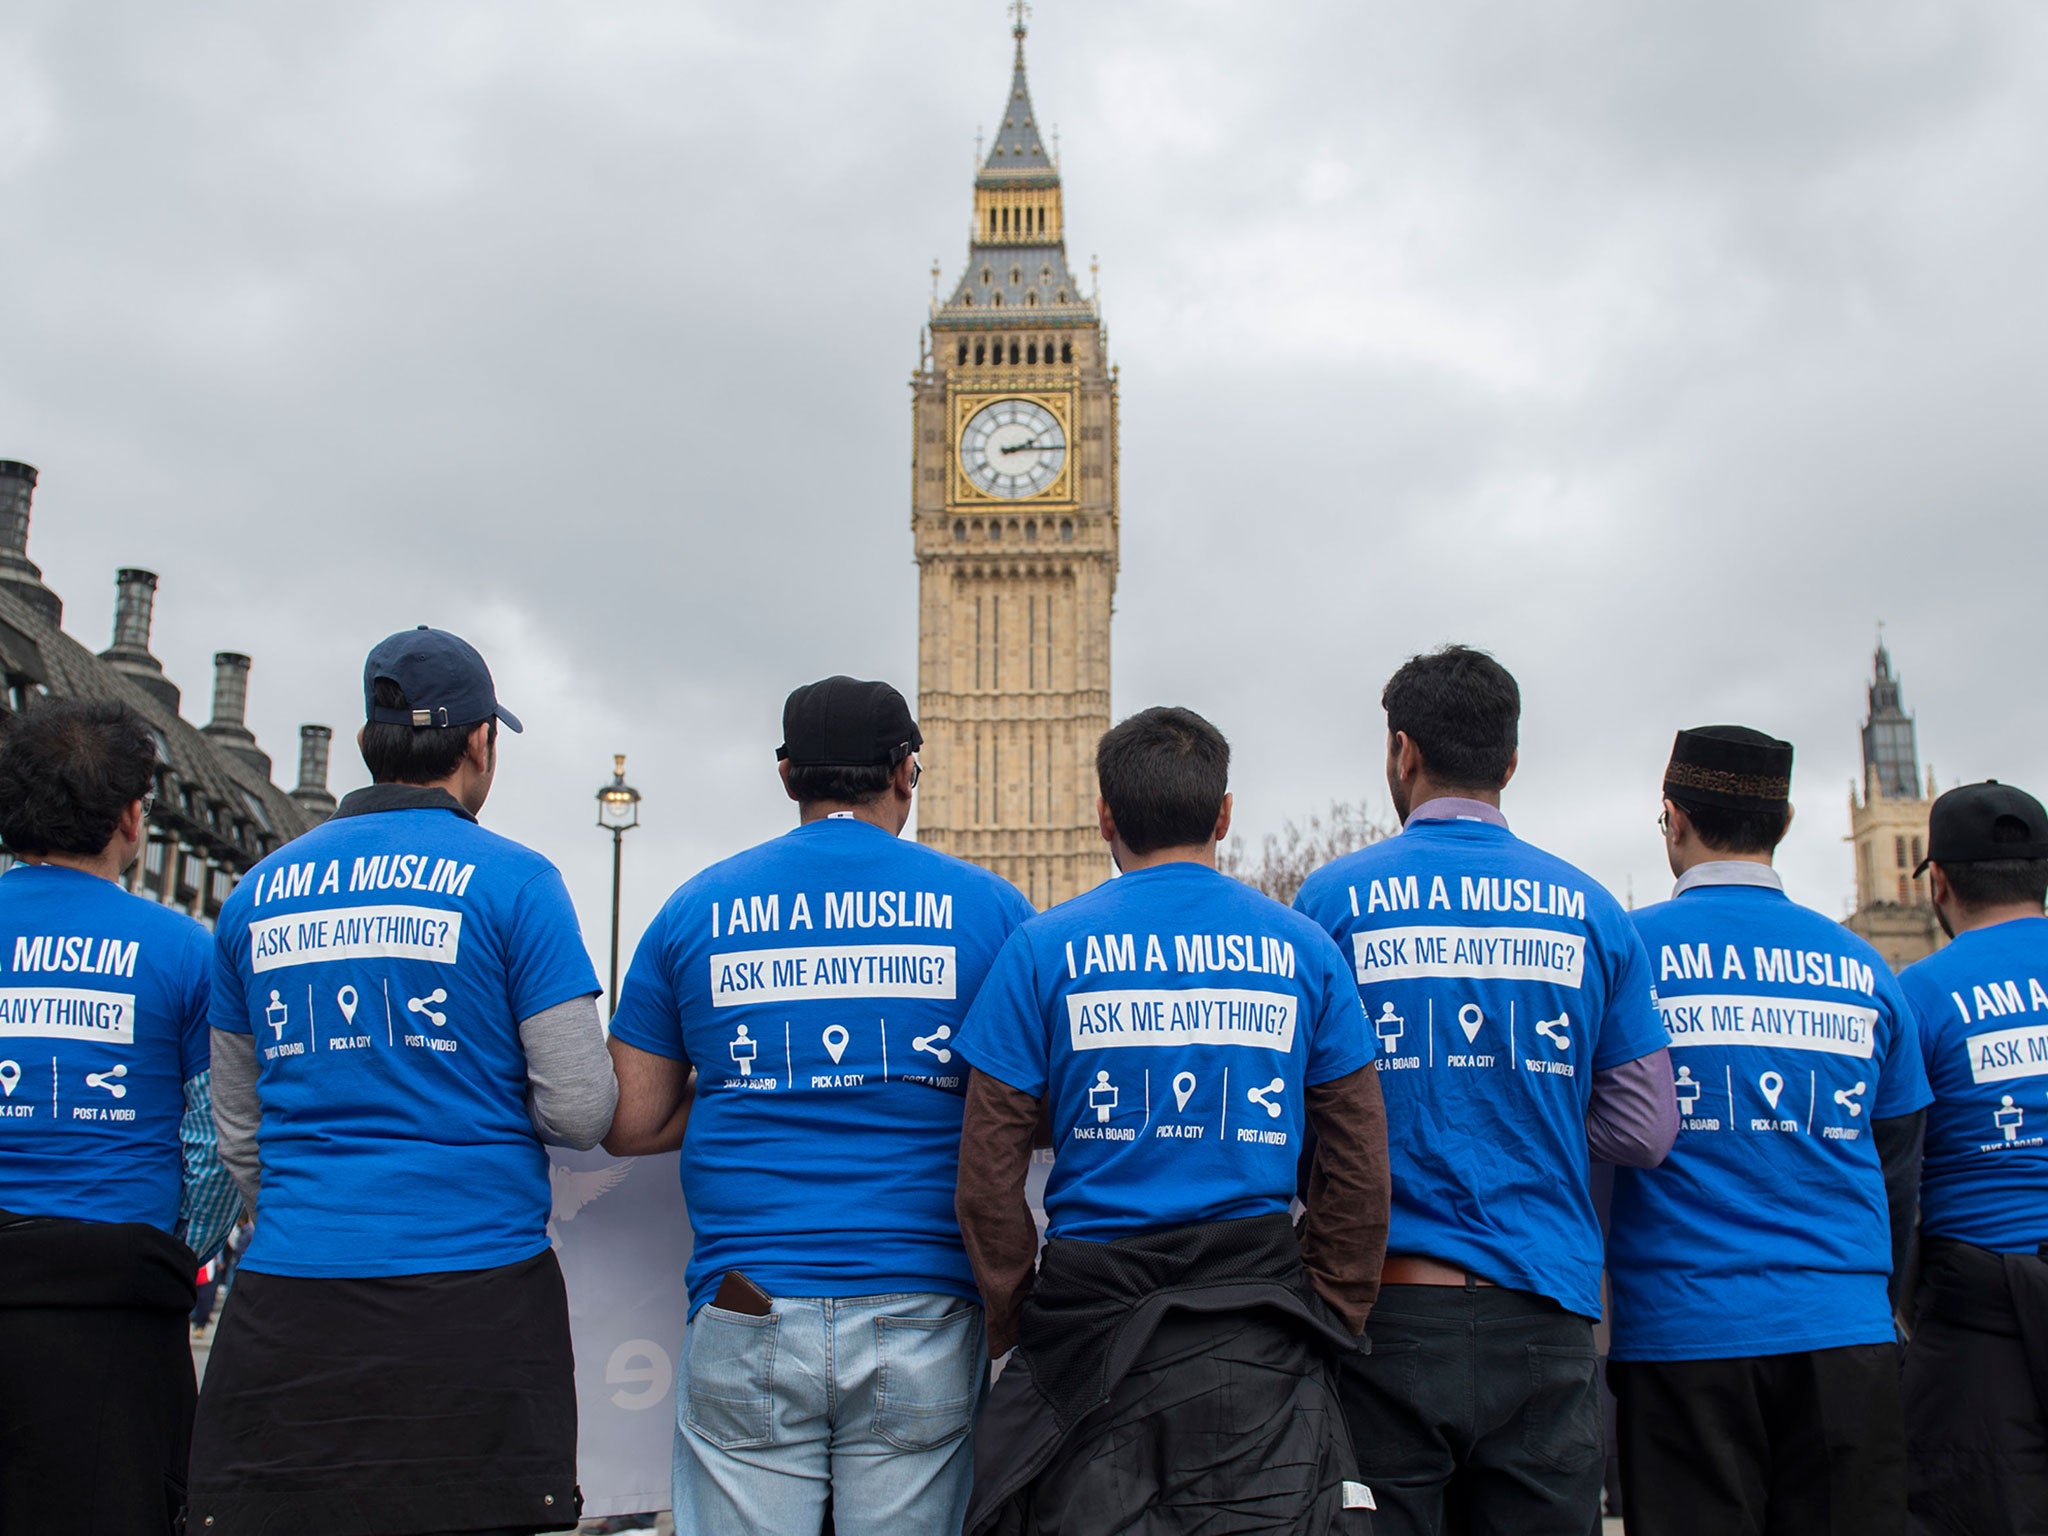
443	678
1731	767
1976	823
842	722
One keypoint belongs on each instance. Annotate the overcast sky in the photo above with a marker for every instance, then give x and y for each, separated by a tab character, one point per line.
1663	350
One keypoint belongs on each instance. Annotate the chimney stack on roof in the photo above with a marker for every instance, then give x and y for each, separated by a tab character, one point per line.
312	794
229	725
134	611
19	575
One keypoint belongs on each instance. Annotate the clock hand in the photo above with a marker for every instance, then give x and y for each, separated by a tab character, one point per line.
1035	443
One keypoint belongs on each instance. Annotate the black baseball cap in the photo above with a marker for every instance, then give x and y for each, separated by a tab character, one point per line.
442	677
1975	823
843	722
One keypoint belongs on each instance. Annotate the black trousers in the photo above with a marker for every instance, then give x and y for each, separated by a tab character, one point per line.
1805	1444
95	1378
1976	1375
1477	1413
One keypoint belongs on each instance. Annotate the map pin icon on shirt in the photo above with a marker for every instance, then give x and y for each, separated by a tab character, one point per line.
10	1074
835	1041
1183	1088
346	997
1772	1085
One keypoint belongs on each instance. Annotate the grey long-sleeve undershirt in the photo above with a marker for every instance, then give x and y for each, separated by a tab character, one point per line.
1632	1120
571	1090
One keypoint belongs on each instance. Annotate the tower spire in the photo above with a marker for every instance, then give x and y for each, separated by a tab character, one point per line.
1019	148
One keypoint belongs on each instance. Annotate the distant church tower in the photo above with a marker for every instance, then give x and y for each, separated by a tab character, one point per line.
1888	828
1014	517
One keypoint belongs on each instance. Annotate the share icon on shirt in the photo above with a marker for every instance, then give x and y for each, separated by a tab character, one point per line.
420	1005
1554	1030
1850	1099
924	1043
1258	1096
106	1080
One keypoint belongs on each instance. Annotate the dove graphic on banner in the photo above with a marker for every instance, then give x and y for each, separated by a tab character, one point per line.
572	1190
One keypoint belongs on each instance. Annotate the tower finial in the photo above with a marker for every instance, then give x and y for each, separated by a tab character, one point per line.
1020	14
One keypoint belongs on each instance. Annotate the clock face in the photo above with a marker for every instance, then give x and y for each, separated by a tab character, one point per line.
1013	449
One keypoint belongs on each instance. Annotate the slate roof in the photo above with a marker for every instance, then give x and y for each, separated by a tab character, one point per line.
1033	282
1018	147
205	796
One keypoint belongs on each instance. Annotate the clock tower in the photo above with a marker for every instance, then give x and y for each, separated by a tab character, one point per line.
1014	518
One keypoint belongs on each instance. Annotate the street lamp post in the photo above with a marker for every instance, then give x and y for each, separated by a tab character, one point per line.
618	812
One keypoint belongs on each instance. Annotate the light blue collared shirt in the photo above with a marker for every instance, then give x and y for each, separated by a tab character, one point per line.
1455	808
1728	872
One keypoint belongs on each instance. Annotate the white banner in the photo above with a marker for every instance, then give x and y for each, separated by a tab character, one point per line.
1193	1016
623	1238
68	1013
1469	954
832	971
356	933
1801	1023
2001	1055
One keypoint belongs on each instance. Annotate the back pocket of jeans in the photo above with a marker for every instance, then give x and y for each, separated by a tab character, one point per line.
927	1377
731	1393
1561	1417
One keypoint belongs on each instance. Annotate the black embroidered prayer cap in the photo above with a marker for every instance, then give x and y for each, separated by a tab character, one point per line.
1729	766
1976	823
842	722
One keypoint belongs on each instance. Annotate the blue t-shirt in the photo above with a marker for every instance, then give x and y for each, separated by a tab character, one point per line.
1171	1020
1765	1231
383	962
1982	1006
102	1021
817	982
1498	980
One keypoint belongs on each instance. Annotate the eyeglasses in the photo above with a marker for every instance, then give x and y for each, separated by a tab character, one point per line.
148	805
905	749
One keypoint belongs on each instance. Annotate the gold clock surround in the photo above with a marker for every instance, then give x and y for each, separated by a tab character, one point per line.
1059	493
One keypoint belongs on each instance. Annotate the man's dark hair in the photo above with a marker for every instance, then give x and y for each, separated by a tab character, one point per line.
2000	882
839	784
68	769
1726	830
1164	773
412	754
1462	710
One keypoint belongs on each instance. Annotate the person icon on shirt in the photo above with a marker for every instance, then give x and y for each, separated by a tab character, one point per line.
277	1015
2007	1117
1688	1090
1389	1026
1102	1098
744	1049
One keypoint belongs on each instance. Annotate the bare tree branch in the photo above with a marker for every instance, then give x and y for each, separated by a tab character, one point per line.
1291	855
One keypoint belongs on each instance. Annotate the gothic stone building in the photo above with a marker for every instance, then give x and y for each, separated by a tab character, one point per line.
1014	520
1888	829
217	811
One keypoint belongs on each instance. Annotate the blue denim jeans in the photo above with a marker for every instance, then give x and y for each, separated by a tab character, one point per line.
872	1398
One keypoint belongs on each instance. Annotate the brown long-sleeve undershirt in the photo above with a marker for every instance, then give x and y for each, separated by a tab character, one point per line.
1343	1233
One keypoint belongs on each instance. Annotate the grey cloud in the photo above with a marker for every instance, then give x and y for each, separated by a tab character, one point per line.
1663	350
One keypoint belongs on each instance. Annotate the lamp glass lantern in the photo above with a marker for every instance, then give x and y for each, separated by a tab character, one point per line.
618	803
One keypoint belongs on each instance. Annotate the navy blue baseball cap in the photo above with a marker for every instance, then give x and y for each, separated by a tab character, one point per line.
442	677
